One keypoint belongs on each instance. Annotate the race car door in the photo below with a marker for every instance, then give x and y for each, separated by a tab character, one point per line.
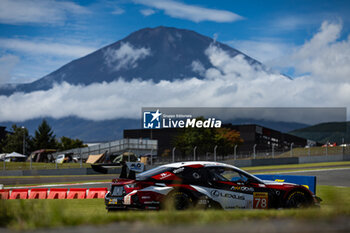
230	188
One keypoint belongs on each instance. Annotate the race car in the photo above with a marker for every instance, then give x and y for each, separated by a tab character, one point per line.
204	185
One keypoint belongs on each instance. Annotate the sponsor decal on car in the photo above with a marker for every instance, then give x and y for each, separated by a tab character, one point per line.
242	188
260	200
216	193
178	170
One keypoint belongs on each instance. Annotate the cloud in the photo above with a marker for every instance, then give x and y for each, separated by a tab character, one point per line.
38	11
198	67
232	82
49	48
125	57
7	63
263	50
147	12
118	11
324	56
190	12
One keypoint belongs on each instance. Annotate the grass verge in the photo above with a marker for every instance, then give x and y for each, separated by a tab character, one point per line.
298	166
33	214
56	183
40	166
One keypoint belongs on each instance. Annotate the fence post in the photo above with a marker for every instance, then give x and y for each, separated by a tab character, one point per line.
235	153
254	153
81	158
30	162
173	154
151	156
215	152
194	153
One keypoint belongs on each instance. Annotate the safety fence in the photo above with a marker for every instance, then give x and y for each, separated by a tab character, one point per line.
254	153
53	193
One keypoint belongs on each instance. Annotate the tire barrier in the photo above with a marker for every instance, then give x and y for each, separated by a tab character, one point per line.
53	193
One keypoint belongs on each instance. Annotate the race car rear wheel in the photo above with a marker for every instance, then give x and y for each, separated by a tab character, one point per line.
297	199
179	201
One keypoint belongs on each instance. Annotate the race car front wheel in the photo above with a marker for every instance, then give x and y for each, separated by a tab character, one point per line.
179	201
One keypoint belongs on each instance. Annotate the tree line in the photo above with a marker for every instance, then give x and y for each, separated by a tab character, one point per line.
44	138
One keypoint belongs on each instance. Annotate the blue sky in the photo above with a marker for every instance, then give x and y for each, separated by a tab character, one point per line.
39	36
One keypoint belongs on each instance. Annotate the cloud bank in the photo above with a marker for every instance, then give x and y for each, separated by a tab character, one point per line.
231	83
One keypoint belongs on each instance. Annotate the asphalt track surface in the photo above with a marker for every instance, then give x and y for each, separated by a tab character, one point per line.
335	177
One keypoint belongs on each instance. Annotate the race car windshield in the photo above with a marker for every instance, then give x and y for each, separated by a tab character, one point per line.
148	174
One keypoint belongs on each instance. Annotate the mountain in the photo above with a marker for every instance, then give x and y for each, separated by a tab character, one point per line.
326	132
161	53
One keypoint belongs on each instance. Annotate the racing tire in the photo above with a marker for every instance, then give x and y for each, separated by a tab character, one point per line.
178	200
297	199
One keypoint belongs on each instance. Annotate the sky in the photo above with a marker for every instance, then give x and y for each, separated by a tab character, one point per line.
307	40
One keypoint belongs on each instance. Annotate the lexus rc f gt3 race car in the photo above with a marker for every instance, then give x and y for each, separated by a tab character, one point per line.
204	185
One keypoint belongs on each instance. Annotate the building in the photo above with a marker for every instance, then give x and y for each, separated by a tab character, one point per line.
265	138
262	138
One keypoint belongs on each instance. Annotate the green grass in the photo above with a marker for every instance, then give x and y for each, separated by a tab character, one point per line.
54	183
33	214
298	166
39	166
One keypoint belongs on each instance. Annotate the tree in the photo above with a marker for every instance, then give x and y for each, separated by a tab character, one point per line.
202	138
68	143
14	141
226	139
44	137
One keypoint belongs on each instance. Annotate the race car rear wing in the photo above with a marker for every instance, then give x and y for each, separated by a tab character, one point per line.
307	181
